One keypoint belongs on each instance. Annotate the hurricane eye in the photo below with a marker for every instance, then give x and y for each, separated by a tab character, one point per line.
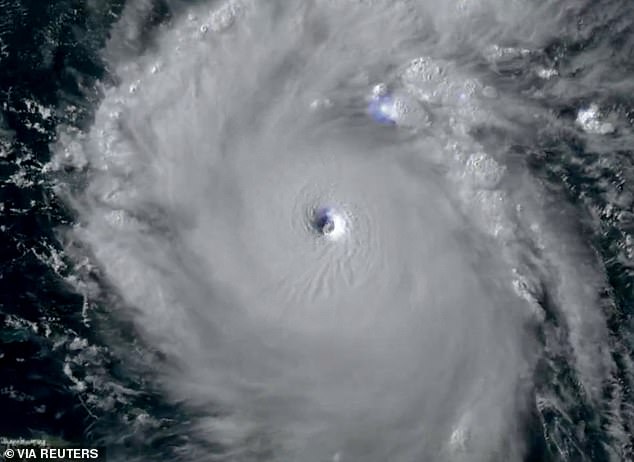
328	222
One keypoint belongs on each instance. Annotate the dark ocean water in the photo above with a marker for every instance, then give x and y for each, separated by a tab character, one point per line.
49	58
72	372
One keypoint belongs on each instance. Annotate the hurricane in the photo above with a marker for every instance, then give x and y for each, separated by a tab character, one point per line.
350	230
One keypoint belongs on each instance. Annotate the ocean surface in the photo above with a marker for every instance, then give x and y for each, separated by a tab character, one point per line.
323	230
